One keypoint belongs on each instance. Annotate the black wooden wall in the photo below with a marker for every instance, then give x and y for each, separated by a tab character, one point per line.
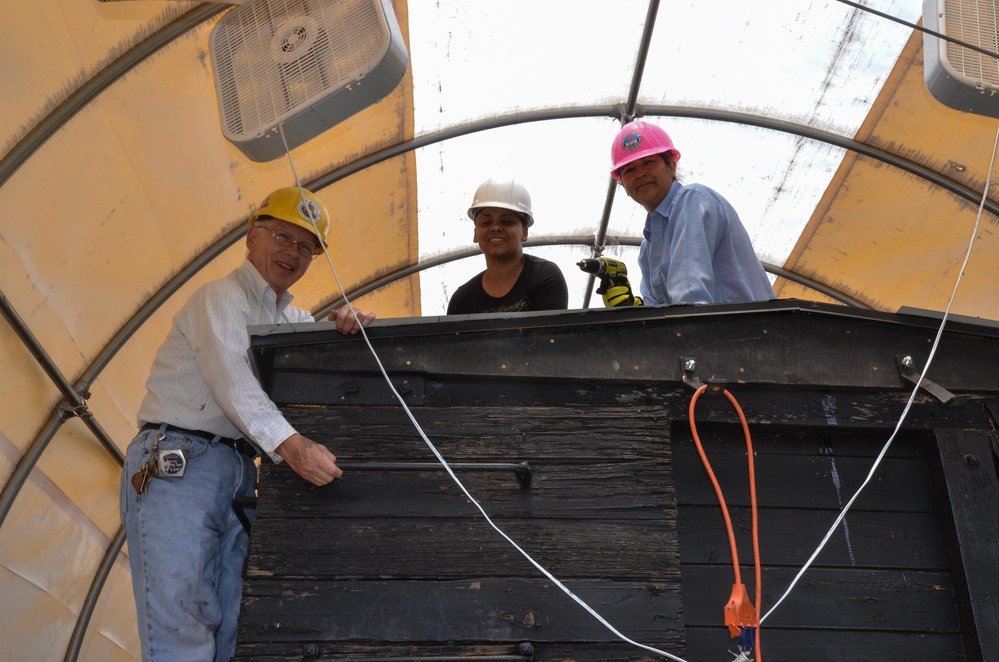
392	563
398	562
880	590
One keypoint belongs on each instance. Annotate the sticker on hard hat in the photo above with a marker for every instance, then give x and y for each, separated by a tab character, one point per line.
309	210
631	142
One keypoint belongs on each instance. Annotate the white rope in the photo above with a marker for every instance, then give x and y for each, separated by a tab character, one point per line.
440	458
912	396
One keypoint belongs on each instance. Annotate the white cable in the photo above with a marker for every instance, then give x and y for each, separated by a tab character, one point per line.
440	458
305	206
912	397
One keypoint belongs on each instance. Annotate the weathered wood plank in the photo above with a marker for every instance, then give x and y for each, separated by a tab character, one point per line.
970	469
630	489
781	439
858	600
433	548
826	645
820	407
494	433
474	610
789	536
523	652
825	482
807	405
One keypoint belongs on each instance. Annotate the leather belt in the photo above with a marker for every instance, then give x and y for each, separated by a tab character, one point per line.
240	445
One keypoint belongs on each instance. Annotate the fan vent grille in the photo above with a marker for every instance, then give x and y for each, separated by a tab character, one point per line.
275	59
973	22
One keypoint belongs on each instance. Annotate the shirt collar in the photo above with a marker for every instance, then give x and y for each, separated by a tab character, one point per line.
260	289
662	209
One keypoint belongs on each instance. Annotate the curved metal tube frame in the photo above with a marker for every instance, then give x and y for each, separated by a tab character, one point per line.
90	602
554	240
93	87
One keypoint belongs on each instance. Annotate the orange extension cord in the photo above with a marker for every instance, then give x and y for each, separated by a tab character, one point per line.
738	611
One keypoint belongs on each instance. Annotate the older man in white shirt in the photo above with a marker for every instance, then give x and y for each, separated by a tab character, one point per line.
202	423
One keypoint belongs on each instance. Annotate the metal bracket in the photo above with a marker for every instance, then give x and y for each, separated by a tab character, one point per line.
906	368
521	470
688	372
81	410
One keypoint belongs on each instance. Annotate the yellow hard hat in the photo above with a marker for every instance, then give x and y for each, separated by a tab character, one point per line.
287	204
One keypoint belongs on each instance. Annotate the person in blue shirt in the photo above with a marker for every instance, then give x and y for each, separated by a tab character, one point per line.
695	249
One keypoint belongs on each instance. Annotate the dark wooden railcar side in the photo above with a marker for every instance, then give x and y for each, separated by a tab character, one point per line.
394	563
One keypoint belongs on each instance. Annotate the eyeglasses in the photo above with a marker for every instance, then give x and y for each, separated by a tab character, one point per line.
304	248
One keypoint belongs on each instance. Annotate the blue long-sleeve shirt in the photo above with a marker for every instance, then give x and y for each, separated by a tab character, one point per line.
696	250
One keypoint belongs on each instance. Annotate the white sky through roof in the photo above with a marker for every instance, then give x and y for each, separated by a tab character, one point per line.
818	63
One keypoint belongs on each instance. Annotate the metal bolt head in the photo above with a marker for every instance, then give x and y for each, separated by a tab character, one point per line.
689	365
906	361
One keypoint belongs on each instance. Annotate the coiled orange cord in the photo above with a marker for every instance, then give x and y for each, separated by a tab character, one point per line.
739	612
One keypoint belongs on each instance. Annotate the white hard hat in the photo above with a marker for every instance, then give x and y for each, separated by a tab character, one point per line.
505	194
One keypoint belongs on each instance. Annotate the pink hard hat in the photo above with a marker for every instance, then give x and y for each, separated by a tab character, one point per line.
636	140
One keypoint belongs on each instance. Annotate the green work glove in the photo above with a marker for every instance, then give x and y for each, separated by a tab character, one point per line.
620	295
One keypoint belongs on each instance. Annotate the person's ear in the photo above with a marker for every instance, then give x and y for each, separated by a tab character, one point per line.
670	163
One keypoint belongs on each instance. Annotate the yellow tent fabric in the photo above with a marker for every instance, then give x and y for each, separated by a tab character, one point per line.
136	182
883	235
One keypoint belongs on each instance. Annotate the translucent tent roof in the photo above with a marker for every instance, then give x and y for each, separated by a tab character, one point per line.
119	195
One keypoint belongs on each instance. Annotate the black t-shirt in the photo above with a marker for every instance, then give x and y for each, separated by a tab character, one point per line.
540	286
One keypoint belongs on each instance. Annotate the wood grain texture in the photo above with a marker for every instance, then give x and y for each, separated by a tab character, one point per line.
390	557
400	565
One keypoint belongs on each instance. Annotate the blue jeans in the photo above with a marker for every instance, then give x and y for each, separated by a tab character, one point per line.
186	548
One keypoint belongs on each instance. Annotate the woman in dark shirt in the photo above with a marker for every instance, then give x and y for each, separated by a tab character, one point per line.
512	281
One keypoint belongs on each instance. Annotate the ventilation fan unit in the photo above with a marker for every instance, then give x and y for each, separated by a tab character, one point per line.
301	65
957	76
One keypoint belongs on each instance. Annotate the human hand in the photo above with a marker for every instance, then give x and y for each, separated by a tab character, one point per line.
345	322
620	295
313	462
